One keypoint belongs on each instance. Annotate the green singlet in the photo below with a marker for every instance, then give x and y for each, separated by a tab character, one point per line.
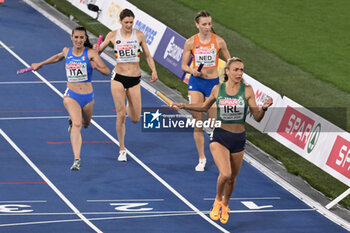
231	109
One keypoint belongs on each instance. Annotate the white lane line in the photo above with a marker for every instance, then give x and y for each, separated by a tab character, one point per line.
95	219
41	222
52	186
22	201
184	213
246	198
177	194
125	200
157	212
53	82
52	117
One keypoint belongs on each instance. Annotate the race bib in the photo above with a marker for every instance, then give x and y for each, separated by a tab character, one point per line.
76	72
232	109
127	53
205	55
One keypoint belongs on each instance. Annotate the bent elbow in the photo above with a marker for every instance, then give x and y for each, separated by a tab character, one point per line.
258	119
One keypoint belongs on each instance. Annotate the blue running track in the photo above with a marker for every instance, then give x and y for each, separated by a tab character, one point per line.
157	190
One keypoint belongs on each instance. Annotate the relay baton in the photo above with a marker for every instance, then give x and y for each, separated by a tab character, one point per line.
200	67
99	39
163	97
21	71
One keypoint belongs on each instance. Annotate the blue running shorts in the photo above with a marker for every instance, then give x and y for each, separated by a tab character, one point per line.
82	99
202	85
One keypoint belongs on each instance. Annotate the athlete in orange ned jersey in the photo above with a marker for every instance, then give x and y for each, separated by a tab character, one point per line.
204	48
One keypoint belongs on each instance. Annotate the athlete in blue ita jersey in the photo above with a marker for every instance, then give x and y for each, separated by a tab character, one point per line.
227	144
125	78
78	99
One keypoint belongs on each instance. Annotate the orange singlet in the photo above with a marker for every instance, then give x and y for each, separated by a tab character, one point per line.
208	54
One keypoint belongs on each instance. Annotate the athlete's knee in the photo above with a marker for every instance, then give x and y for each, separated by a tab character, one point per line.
231	180
121	116
226	176
135	119
76	124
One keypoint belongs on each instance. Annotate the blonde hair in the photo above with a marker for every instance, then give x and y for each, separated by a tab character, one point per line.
228	63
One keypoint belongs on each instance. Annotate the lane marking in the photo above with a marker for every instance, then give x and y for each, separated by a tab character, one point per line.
252	206
94	219
23	201
156	176
130	217
22	182
16	111
49	183
52	117
54	82
92	142
247	198
125	200
162	212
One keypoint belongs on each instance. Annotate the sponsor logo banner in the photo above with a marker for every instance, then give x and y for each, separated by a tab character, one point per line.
170	50
296	127
152	28
339	157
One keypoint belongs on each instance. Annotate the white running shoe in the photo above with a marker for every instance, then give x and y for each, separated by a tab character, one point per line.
201	165
122	156
76	165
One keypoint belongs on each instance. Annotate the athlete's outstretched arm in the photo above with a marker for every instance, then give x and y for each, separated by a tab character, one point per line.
200	107
55	58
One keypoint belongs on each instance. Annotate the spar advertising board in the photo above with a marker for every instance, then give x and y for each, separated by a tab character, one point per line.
314	138
338	159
